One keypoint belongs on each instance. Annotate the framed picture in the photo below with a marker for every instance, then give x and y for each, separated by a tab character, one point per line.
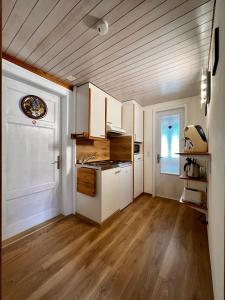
215	51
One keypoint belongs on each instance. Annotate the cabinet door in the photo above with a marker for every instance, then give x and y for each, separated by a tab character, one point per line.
126	186
136	123
97	113
114	111
136	180
140	129
128	117
140	176
110	192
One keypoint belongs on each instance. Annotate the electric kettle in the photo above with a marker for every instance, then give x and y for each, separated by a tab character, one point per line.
191	168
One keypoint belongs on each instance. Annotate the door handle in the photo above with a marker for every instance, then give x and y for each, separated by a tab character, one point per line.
158	158
57	162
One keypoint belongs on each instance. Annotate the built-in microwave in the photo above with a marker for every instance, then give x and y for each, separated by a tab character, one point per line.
137	148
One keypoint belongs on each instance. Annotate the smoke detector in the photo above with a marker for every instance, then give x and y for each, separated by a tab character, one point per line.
71	78
102	27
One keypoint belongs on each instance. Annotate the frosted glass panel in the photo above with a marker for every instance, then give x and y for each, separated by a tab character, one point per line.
170	139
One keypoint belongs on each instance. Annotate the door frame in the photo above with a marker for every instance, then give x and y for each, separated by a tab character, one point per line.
67	116
154	116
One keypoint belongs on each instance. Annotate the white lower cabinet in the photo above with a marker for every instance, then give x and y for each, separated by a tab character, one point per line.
114	192
138	175
126	186
117	190
110	192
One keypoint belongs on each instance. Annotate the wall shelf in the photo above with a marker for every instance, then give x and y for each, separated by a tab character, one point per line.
203	156
193	179
199	208
194	153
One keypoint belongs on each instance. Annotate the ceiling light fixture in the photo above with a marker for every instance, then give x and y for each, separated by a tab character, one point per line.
205	87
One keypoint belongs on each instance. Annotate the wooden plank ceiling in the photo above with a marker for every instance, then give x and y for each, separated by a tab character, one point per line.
154	50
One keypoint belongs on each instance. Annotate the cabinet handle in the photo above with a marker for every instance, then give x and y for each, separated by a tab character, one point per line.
117	172
103	135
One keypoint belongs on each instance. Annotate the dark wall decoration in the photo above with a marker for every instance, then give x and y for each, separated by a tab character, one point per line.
215	51
34	107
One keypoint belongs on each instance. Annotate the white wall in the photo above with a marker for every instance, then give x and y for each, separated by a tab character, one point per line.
216	130
195	115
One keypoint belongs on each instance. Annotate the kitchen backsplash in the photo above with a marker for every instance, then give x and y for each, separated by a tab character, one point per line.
100	149
115	148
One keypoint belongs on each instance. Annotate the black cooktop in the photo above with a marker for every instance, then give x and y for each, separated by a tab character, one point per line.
107	164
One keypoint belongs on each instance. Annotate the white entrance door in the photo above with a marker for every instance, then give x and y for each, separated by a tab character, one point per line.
31	179
169	129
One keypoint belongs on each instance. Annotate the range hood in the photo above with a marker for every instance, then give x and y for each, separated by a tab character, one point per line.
114	130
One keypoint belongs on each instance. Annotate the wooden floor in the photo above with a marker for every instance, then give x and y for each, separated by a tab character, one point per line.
154	249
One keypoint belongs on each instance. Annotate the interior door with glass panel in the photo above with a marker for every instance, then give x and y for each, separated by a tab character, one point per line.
169	128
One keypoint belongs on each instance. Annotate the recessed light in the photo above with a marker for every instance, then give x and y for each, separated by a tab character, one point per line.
71	78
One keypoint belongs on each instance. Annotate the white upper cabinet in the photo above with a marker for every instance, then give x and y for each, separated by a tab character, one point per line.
95	108
114	111
138	123
91	112
133	120
97	113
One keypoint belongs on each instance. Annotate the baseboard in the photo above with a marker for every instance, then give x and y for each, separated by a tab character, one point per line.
105	222
166	198
12	229
86	219
139	196
32	230
147	194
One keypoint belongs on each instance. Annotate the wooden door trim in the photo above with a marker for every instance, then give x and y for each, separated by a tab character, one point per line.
143	151
89	112
37	71
133	106
106	107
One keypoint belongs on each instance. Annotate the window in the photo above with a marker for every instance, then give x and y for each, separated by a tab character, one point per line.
170	144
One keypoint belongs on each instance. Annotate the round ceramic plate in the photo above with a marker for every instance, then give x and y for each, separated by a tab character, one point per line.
34	107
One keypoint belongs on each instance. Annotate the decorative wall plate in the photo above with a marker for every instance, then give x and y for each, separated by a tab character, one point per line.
34	107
